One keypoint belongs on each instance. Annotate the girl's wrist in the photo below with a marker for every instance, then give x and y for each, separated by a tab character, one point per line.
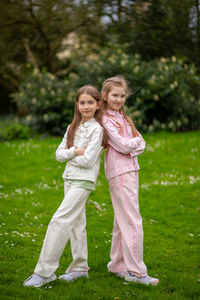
76	151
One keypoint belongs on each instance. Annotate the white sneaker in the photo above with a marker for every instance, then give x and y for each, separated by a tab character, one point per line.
73	275
36	280
144	280
121	274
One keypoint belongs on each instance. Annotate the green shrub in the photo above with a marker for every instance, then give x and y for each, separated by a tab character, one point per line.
15	130
166	90
48	101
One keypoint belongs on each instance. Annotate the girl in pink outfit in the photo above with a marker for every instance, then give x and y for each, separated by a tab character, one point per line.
121	168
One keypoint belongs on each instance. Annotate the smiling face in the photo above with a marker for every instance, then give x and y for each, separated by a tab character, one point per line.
115	98
87	106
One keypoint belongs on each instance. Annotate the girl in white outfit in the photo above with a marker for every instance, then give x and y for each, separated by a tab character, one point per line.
81	148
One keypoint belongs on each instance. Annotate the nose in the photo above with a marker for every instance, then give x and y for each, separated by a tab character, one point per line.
86	105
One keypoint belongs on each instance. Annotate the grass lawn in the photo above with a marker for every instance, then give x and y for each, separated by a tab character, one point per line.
31	189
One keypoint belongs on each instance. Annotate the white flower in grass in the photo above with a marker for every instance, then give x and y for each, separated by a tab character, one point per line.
152	221
149	148
190	234
19	191
145	186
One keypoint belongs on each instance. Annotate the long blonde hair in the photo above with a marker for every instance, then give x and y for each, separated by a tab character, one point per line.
93	92
106	88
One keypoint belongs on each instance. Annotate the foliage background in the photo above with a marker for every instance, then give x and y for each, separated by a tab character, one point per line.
154	43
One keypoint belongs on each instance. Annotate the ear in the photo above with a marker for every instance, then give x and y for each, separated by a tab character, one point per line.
104	96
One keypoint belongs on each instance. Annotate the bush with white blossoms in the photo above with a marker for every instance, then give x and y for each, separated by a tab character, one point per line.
165	91
48	102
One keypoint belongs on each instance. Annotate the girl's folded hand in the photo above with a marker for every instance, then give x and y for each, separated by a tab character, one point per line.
79	151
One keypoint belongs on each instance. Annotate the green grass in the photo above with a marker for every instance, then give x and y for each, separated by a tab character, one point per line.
31	189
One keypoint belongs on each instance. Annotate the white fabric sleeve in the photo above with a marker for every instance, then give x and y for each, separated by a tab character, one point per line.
92	151
62	153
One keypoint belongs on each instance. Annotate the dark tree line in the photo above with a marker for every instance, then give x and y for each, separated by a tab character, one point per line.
36	31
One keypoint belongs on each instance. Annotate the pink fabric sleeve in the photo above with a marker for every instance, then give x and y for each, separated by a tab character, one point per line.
132	146
140	149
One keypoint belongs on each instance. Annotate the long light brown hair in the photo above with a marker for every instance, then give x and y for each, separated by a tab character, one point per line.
93	92
106	88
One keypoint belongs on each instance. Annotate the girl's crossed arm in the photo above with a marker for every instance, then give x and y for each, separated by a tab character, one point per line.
132	146
63	154
92	151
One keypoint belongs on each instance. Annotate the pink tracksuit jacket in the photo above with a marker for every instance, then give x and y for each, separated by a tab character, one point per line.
121	156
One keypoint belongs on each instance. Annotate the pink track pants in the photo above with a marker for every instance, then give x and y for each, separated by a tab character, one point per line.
127	239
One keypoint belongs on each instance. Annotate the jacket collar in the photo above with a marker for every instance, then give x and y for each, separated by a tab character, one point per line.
88	123
113	113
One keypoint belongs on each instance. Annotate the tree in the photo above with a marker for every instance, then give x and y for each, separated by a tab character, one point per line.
34	31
